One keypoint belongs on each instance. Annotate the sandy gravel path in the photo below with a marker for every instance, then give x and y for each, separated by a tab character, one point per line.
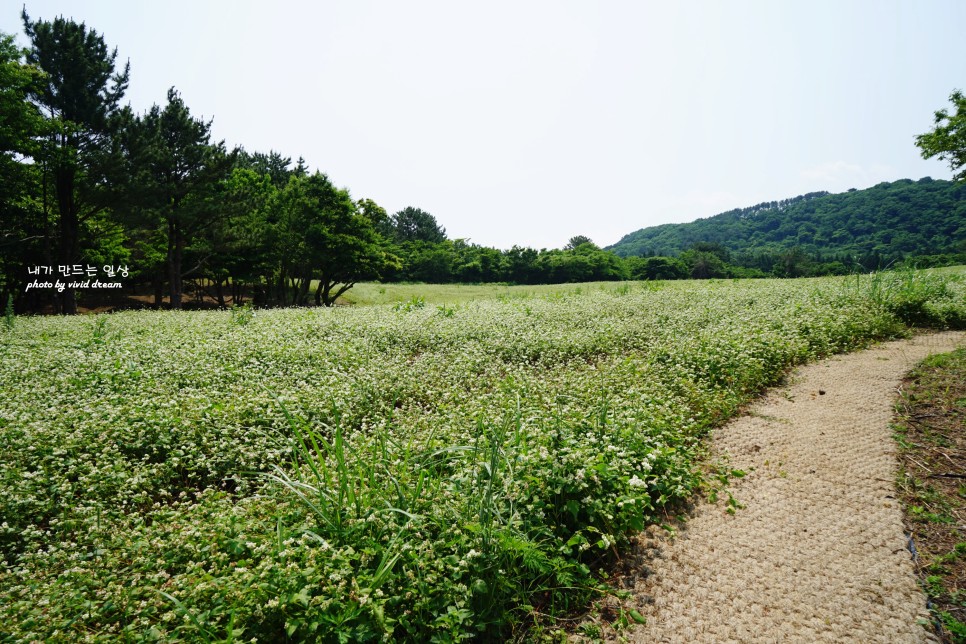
818	552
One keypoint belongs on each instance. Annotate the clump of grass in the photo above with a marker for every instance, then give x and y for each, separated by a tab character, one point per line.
916	297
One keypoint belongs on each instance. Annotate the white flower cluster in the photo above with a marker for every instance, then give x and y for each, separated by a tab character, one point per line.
134	463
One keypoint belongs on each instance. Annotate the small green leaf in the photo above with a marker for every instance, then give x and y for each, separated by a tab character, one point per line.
637	617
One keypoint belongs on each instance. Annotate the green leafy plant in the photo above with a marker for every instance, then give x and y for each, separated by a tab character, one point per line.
98	331
242	315
414	303
916	297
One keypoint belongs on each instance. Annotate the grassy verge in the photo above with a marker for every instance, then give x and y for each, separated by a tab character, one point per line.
931	431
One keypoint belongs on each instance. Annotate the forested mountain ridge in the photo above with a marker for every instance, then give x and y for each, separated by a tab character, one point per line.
903	218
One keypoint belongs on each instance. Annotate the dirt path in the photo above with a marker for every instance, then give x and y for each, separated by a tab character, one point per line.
818	552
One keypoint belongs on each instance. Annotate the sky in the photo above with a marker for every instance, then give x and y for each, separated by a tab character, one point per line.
528	122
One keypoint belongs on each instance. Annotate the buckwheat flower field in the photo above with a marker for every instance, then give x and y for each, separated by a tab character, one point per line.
381	472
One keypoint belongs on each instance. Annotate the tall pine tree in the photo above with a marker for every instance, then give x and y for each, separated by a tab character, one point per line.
176	174
79	96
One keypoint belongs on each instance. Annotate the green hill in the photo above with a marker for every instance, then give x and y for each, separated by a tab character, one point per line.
892	221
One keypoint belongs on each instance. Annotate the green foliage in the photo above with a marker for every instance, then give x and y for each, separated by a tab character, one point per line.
579	240
414	303
416	225
858	229
377	216
703	264
79	95
323	236
461	262
22	122
81	85
929	427
242	314
272	166
657	268
948	138
174	175
98	332
915	297
585	263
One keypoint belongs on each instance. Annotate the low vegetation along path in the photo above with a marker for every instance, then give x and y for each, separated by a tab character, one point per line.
818	552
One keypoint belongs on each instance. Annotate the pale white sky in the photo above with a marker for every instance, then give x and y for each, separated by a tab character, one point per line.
528	122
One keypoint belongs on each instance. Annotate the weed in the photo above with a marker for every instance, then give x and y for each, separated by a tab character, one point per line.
445	311
415	302
915	297
242	315
719	480
98	332
592	631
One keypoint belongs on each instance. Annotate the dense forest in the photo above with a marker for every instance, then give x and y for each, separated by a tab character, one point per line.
890	220
91	190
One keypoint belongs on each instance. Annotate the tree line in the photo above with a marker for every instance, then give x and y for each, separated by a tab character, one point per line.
86	183
89	183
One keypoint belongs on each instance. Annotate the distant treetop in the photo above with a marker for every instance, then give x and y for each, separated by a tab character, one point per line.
412	224
948	138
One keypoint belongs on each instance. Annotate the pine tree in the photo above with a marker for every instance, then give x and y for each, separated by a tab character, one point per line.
79	97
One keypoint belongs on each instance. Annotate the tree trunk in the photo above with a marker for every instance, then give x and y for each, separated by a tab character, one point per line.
303	292
49	234
322	291
69	231
330	300
220	293
282	295
158	291
175	254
